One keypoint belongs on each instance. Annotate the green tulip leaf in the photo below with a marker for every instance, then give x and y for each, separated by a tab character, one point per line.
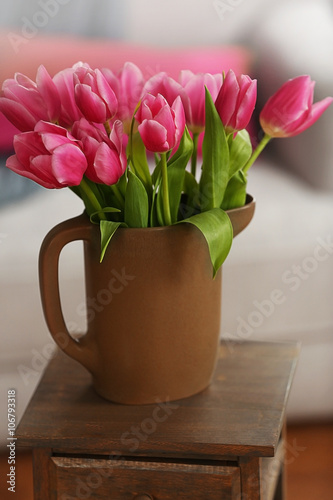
235	194
215	158
153	219
138	158
189	203
176	173
159	210
240	150
216	227
136	202
107	228
95	217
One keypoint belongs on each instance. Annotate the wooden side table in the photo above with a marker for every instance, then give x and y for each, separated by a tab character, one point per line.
224	443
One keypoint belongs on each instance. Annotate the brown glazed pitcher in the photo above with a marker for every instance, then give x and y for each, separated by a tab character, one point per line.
153	308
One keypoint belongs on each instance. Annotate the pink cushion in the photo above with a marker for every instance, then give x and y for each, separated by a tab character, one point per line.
58	53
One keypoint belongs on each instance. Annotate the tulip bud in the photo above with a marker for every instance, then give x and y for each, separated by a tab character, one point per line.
128	86
161	126
236	101
49	155
163	84
194	86
25	102
93	95
110	160
290	110
70	112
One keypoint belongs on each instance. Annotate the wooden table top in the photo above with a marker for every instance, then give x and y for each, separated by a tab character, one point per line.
240	414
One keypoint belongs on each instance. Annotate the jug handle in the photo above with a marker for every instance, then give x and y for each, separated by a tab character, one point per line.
77	228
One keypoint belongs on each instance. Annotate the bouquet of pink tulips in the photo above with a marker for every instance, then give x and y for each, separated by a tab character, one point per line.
95	132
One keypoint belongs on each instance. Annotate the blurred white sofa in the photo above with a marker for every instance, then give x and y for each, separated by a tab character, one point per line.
286	251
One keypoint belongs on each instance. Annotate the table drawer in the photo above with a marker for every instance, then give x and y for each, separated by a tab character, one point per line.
98	479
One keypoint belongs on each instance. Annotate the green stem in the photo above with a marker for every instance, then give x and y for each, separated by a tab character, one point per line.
262	144
118	195
92	198
130	138
165	190
194	154
130	144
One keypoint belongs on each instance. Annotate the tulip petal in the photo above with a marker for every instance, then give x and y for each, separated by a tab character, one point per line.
226	100
28	145
16	166
144	112
246	105
107	94
194	86
30	98
53	141
50	128
107	166
49	92
128	90
116	135
166	118
290	110
91	105
288	104
41	166
316	111
154	136
69	109
17	114
195	107
132	81
166	86
179	120
68	164
185	77
24	81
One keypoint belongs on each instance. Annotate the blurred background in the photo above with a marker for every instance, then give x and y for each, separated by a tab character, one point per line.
293	183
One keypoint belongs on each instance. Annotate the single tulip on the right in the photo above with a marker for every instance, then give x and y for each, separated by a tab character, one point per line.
290	110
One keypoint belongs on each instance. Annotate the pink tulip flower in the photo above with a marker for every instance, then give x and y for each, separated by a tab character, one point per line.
90	136
236	101
49	155
194	86
161	126
163	84
93	95
128	86
106	156
64	81
25	102
290	110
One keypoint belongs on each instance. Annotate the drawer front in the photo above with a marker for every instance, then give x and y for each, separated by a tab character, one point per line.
97	479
